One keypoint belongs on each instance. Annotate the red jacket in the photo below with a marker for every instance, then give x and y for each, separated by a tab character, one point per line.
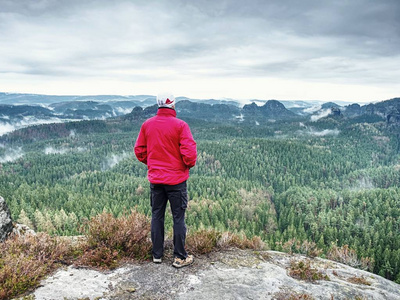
166	145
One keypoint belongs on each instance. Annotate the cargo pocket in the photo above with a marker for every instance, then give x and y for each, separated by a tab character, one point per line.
184	199
151	194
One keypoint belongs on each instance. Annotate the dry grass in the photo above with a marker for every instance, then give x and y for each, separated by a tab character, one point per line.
207	240
202	241
24	261
348	256
289	295
303	270
296	246
110	239
344	255
359	280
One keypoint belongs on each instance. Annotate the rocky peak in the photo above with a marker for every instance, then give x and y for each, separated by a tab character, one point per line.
274	105
393	117
271	109
336	111
6	224
250	108
352	110
329	105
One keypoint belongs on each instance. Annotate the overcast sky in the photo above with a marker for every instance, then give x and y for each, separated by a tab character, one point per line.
308	49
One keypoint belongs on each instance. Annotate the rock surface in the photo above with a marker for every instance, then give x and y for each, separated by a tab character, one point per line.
6	225
233	274
22	230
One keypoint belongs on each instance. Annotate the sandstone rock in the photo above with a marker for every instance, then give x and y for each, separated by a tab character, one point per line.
233	274
6	224
22	230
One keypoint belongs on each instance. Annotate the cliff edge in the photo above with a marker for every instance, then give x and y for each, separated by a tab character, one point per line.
231	274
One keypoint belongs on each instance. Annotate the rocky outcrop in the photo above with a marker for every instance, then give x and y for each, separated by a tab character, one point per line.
22	230
140	114
272	109
336	112
393	117
6	225
328	105
388	110
214	112
353	110
251	109
232	274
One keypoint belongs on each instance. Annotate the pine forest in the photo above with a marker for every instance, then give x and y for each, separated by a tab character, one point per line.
331	186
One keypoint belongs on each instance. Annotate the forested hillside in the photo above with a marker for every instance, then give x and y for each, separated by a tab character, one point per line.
333	182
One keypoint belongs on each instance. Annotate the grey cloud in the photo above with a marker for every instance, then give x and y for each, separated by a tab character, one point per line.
333	40
40	8
360	22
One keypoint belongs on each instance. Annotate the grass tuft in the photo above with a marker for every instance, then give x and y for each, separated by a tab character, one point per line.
109	239
303	270
205	241
290	295
359	280
296	246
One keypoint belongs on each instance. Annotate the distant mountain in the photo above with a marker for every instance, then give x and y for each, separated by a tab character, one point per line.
222	102
140	114
388	110
329	105
207	111
30	109
384	107
272	110
19	111
83	109
193	110
352	110
12	98
296	104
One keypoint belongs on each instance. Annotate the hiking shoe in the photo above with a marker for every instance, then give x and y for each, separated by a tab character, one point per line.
157	260
179	263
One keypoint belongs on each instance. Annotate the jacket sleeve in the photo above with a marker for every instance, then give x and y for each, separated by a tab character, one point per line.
141	147
188	147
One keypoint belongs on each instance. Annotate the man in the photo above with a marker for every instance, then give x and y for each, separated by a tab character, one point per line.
166	145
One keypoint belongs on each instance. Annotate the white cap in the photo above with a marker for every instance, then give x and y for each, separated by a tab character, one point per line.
166	100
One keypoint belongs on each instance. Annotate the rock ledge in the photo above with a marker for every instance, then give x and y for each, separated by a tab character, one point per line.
231	274
6	224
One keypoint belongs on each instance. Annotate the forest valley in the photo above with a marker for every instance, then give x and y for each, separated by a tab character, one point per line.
325	187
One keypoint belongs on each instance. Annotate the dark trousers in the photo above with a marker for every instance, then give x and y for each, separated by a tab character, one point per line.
177	196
